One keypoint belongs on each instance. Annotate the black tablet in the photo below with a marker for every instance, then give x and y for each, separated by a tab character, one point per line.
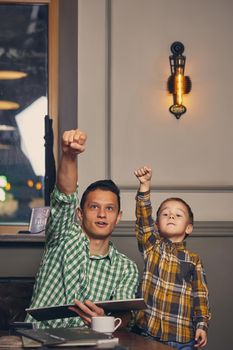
63	311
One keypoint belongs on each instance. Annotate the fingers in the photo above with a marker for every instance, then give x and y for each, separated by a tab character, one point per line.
95	309
143	171
74	136
144	175
74	140
200	338
201	343
85	318
87	310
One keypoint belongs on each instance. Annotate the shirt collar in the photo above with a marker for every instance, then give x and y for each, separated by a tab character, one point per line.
111	254
177	245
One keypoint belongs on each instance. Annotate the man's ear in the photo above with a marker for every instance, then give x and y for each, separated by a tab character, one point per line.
79	215
119	217
189	229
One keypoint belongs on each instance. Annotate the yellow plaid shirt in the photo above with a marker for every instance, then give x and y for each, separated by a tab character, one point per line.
174	282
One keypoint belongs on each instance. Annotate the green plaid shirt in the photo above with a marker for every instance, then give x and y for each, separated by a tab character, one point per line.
68	272
174	282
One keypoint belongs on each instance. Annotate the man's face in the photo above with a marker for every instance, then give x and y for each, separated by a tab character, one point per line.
173	221
100	214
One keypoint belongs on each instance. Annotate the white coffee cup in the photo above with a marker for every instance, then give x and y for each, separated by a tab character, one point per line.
105	324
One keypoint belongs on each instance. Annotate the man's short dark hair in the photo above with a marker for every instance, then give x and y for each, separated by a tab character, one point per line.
104	185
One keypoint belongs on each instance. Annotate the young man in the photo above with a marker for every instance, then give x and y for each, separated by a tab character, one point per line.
80	264
174	282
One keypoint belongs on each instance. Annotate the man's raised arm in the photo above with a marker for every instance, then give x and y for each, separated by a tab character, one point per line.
73	143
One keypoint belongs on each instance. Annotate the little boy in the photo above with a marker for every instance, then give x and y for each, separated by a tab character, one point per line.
174	282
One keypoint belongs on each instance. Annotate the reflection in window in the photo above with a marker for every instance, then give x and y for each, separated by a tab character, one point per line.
23	105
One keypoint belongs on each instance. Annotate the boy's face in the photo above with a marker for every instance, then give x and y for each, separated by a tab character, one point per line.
100	214
173	221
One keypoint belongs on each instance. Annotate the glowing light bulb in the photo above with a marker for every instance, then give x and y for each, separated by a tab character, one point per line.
30	183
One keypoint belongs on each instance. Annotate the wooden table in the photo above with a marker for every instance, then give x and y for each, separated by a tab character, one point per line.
127	341
132	341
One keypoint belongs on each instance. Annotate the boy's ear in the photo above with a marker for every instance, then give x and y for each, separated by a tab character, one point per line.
189	229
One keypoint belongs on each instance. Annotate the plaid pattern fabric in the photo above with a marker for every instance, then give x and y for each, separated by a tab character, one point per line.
174	282
67	271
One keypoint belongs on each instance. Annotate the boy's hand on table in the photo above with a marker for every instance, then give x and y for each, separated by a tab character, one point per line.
200	338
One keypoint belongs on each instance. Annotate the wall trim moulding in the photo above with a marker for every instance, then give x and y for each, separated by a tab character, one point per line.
172	189
201	229
126	229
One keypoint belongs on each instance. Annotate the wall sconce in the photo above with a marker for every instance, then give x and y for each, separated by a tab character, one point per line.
178	84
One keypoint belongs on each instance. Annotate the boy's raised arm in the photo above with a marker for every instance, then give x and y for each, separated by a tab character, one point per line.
73	143
144	227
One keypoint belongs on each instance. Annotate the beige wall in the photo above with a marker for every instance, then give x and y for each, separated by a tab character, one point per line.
123	49
123	66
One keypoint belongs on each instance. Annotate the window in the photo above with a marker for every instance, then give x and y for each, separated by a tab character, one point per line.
28	92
